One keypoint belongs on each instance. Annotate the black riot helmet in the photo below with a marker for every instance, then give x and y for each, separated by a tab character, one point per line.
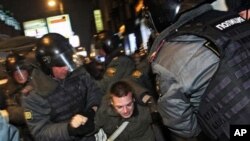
163	13
16	63
54	49
108	42
238	5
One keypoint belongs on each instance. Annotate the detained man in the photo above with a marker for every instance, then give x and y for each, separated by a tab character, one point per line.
120	106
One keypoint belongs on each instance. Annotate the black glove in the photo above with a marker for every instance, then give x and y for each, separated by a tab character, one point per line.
3	99
155	115
90	114
16	116
85	129
156	118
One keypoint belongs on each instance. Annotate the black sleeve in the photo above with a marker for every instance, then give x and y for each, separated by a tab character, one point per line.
85	129
3	98
16	115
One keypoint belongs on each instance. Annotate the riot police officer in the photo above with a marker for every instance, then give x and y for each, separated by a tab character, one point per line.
117	65
19	70
67	112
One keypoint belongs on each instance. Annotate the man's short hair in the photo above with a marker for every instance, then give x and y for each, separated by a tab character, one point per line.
120	89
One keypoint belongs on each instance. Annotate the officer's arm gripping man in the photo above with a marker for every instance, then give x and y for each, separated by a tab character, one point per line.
183	77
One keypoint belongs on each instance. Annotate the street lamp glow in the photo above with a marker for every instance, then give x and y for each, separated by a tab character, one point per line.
52	3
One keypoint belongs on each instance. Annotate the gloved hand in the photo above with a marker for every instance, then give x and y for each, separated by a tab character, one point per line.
3	99
155	115
82	124
151	103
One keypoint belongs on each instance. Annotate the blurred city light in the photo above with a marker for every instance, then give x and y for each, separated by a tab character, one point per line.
3	81
74	40
51	3
54	3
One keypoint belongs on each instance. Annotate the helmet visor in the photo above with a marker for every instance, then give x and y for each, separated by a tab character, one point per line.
161	13
63	60
20	75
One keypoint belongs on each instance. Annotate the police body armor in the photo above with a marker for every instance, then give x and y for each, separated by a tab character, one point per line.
226	100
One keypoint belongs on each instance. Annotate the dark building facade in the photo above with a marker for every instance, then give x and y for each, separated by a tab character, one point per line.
115	13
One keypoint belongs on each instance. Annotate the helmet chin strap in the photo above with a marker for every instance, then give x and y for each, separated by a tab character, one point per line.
151	21
220	5
247	16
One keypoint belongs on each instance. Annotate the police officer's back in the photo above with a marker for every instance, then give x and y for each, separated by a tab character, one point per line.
188	55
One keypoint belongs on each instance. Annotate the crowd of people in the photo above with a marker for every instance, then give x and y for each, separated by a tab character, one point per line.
191	86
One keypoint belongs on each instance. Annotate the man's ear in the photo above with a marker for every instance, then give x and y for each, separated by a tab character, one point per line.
111	102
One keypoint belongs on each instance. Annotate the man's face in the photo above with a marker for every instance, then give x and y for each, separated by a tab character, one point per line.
21	76
123	105
60	72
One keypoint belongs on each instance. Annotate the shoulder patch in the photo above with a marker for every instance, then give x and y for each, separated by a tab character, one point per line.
28	115
137	74
111	71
